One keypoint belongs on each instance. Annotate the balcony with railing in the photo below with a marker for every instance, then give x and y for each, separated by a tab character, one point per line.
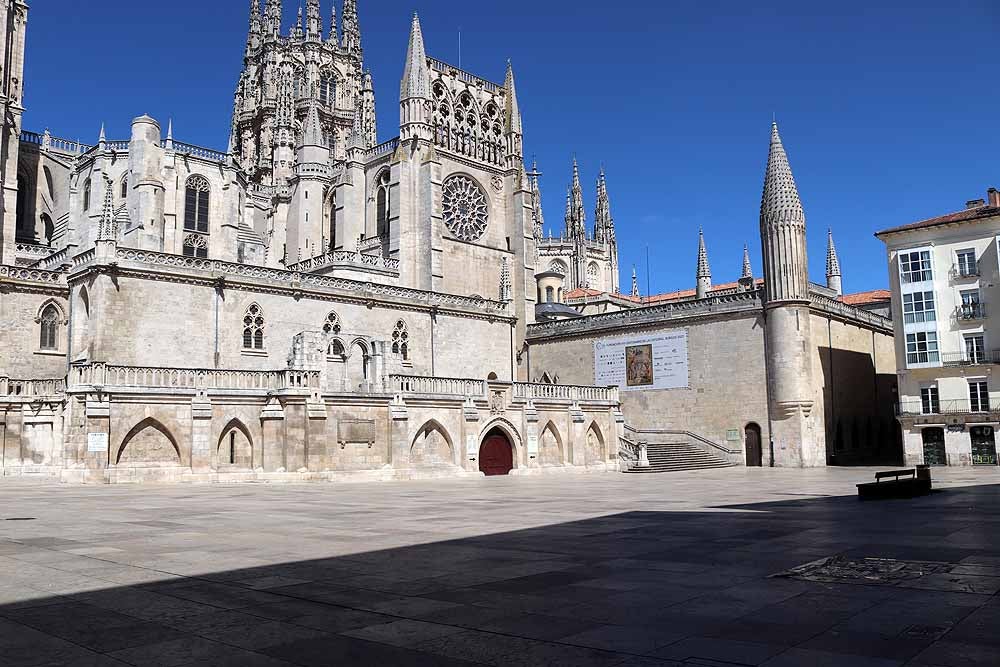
971	312
971	358
959	407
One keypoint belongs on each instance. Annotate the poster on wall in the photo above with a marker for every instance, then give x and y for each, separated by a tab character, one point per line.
654	361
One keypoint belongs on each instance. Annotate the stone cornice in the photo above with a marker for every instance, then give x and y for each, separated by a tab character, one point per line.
211	273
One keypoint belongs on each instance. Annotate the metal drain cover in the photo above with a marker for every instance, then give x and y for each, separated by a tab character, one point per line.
870	571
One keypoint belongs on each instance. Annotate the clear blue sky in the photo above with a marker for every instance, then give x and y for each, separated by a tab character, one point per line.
888	109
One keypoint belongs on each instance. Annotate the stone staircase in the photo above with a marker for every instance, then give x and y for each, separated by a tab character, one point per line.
676	456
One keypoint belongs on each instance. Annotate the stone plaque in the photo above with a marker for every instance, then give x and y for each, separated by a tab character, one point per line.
97	442
356	432
733	435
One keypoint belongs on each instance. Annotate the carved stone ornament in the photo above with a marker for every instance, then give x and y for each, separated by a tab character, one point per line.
466	212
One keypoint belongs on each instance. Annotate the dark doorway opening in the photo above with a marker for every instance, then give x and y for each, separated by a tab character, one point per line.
755	451
984	446
934	452
496	455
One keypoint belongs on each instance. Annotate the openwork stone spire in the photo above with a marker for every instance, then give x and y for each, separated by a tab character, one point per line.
783	229
747	266
536	192
273	17
314	20
635	284
333	37
603	224
576	221
352	29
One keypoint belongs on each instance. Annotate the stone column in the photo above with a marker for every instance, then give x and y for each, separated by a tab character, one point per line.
97	460
470	436
577	436
295	435
399	446
531	435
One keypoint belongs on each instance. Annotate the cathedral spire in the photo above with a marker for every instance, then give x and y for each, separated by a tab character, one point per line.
536	196
512	113
314	20
603	223
635	284
834	278
704	274
106	230
333	24
416	77
783	229
253	34
272	18
747	266
298	32
415	88
569	213
578	215
351	28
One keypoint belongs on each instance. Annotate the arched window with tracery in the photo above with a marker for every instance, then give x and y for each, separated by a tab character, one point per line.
401	340
124	187
383	203
197	194
327	89
253	328
86	195
49	322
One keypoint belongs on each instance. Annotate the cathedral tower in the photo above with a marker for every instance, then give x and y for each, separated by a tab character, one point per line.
14	14
795	438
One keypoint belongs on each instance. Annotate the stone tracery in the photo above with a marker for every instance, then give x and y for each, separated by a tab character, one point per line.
466	211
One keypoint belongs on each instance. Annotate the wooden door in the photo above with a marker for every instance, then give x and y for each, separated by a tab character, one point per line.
496	456
755	452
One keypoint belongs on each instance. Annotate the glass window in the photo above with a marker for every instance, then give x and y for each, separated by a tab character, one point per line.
967	265
383	205
196	199
49	335
86	195
253	328
929	401
979	396
919	307
972	307
922	348
975	349
915	267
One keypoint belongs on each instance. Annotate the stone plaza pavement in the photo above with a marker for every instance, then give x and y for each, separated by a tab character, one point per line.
575	570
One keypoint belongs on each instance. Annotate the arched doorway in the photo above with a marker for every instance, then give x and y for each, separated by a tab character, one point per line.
755	451
934	451
496	454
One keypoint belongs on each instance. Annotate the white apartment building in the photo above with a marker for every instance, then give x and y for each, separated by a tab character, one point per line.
945	280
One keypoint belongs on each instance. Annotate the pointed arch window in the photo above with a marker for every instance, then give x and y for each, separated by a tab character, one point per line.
49	322
327	89
253	328
124	187
383	204
401	340
86	195
197	193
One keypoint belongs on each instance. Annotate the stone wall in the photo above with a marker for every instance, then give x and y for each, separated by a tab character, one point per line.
21	356
727	377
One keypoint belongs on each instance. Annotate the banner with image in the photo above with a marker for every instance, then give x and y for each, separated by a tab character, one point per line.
637	363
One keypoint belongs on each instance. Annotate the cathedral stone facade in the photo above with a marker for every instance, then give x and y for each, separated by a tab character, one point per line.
312	303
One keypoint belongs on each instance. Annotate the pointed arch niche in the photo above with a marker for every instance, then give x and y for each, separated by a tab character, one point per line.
432	446
550	446
235	448
149	444
596	450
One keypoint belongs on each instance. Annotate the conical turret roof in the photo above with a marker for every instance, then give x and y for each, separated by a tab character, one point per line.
780	203
832	261
416	79
704	271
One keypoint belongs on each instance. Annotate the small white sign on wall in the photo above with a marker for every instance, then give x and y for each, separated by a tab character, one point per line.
97	442
470	446
532	443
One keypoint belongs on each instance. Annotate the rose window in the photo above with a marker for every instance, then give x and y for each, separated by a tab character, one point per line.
466	212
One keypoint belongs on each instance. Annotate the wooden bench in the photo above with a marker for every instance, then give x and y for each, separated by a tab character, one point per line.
895	484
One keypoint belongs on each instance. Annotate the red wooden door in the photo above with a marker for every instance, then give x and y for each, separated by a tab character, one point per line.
496	456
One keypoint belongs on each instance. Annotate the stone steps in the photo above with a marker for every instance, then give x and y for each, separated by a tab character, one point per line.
678	456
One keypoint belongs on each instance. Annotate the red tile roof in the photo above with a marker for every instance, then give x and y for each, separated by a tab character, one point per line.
656	298
867	298
967	215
